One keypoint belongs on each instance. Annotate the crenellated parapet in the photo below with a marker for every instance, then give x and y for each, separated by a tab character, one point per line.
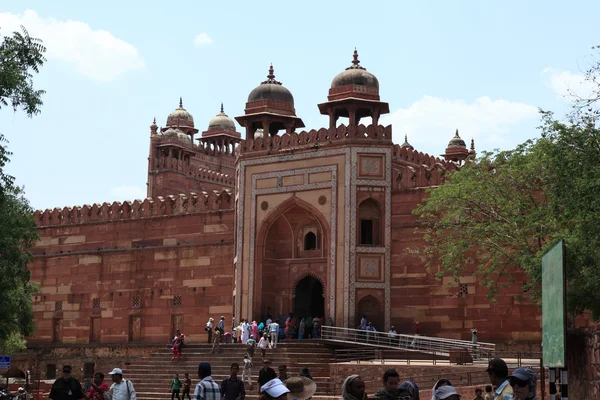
182	166
322	137
414	169
150	207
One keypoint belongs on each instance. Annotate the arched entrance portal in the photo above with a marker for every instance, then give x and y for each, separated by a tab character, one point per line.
371	308
309	301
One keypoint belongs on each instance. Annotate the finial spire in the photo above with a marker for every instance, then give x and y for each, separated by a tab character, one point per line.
154	121
406	138
271	75
456	134
180	102
355	60
222	108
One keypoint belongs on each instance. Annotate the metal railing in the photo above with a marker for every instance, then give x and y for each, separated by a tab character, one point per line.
423	344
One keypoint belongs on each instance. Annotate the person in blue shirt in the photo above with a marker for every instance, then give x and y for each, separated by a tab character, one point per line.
498	373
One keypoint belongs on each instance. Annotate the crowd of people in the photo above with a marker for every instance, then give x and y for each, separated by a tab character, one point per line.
520	385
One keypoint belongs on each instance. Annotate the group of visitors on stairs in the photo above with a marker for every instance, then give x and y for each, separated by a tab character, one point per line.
520	385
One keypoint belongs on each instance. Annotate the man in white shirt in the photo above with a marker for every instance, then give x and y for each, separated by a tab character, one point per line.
274	333
393	335
121	389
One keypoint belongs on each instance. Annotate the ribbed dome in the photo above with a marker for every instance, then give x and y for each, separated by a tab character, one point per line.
221	122
355	75
271	90
177	134
456	141
180	117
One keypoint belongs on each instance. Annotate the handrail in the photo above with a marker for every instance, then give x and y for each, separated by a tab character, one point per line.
425	344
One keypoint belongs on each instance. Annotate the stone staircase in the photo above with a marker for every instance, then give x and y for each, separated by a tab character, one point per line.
153	373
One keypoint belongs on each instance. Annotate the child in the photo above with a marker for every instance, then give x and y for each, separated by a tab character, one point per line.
478	394
247	372
488	393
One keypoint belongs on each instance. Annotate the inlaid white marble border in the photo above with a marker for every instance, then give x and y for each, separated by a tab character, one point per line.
386	183
240	226
294	188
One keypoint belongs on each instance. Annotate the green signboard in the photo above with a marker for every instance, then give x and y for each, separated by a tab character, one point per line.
553	307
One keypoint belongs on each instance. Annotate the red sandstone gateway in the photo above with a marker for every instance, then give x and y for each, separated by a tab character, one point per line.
313	222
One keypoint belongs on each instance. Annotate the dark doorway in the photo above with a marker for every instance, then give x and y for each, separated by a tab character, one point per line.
309	301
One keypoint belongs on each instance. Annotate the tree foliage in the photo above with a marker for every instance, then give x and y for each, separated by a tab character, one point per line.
20	57
505	209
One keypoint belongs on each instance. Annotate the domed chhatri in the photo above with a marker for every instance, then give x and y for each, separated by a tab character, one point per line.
354	94
355	75
221	125
406	144
180	118
270	107
177	134
456	150
221	122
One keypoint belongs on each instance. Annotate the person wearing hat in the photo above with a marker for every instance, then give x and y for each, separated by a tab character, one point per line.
524	382
66	387
446	393
209	329
498	373
121	389
273	389
300	387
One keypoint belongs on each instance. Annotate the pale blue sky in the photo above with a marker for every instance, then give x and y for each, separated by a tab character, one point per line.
482	67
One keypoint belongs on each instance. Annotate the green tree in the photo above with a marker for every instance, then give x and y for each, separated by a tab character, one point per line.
20	57
505	209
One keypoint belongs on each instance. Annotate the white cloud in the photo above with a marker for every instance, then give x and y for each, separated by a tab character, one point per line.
122	193
203	39
96	54
430	123
568	85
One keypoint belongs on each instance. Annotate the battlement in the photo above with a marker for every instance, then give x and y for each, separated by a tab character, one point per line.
157	207
204	174
313	138
418	158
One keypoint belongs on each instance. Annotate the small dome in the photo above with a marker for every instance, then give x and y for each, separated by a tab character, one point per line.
178	134
406	144
271	90
180	117
221	122
355	75
456	141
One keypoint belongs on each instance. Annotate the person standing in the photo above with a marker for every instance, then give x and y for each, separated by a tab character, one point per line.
263	344
274	332
393	335
266	373
209	329
498	372
245	331
488	393
416	332
176	387
187	384
391	391
222	324
97	387
478	394
206	389
301	329
232	388
216	348
66	387
250	347
524	383
283	372
121	389
247	372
